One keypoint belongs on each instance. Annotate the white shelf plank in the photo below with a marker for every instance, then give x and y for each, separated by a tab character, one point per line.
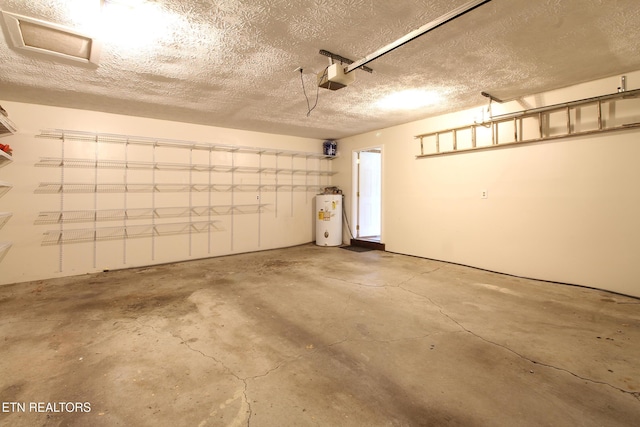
4	218
5	158
7	127
4	248
4	188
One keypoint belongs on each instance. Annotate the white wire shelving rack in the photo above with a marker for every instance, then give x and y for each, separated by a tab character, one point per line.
4	248
4	188
4	218
78	216
222	173
121	164
5	159
7	127
58	237
75	135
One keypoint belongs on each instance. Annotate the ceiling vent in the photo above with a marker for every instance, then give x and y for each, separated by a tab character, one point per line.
51	39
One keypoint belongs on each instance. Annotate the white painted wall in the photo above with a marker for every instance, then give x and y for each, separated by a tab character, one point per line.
286	221
566	210
563	211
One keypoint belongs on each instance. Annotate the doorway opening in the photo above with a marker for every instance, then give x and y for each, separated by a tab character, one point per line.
367	182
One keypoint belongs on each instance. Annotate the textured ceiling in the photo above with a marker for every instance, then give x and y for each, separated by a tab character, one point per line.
231	63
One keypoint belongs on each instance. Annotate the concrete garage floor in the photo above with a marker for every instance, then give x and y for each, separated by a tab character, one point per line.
311	336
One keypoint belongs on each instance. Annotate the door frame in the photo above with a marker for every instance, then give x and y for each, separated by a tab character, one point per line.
355	185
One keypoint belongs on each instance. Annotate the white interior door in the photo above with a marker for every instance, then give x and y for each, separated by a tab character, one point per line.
369	193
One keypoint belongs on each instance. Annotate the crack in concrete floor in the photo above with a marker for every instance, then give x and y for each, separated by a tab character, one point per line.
468	331
300	356
400	285
441	310
208	356
371	306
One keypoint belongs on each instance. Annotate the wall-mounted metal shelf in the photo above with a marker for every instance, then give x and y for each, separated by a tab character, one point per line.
122	164
74	135
59	237
4	218
4	248
4	187
213	177
57	217
70	188
7	127
5	158
466	138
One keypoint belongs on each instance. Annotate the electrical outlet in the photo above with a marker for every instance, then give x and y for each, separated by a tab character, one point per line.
484	194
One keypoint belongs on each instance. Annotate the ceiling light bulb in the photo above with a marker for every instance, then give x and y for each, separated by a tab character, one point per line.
84	14
135	24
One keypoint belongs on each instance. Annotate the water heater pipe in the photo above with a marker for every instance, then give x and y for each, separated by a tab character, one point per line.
417	33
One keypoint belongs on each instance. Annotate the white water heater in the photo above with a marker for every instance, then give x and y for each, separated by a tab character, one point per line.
329	219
